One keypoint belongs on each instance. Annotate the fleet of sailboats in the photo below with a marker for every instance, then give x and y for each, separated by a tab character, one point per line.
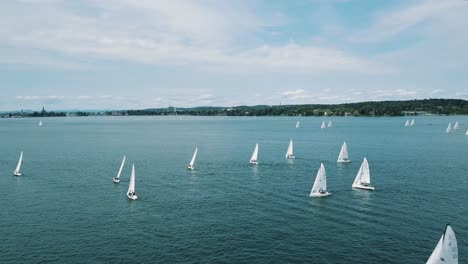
254	158
16	172
131	186
289	152
116	179
343	156
192	161
319	189
446	250
362	180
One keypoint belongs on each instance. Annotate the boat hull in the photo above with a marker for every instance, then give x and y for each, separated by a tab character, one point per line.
132	197
190	167
343	161
15	173
357	186
290	157
318	195
115	180
253	162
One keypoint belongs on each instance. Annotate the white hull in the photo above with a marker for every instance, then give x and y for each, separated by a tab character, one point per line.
132	197
115	180
316	195
254	162
16	173
190	167
290	157
344	161
364	187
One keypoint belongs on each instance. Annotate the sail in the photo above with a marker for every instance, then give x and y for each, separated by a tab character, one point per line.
323	125
289	152
121	167
18	167
320	180
193	158
40	123
297	124
412	122
449	128
363	175
407	123
455	127
329	124
254	154
466	132
343	153
446	251
131	186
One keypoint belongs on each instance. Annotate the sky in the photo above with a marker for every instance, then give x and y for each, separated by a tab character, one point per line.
136	54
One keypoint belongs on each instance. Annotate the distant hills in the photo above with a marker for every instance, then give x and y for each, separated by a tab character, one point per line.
372	108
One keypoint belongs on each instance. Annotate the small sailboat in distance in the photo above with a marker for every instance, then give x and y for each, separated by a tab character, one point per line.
254	158
343	156
40	122
362	180
116	179
455	127
298	124
407	124
131	187
289	152
449	128
329	124
320	185
18	166
412	122
192	162
446	250
323	124
466	133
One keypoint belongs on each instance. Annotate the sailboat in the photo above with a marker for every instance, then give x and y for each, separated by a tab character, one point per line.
407	124
446	250
412	122
362	180
289	152
131	187
329	124
18	167
192	162
297	124
455	127
320	185
116	179
466	132
40	122
343	157
254	158
449	128
323	125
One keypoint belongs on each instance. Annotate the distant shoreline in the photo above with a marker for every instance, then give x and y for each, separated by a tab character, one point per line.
439	107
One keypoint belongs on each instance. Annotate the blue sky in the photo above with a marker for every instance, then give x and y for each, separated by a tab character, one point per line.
120	54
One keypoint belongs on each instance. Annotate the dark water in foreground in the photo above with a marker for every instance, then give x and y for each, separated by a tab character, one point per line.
66	209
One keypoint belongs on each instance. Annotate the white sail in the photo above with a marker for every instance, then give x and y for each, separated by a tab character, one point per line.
289	152
192	162
407	123
18	166
131	186
343	157
446	251
40	122
298	124
412	122
329	124
121	168
323	125
466	132
320	185
449	128
363	175
254	158
455	127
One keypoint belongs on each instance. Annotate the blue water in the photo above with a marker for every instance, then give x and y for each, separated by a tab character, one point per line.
66	209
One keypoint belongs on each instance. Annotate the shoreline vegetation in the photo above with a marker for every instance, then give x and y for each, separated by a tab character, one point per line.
372	108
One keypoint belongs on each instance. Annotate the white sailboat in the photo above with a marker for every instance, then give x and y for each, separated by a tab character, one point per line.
323	125
298	124
289	152
18	166
329	124
254	158
192	162
320	185
131	187
407	123
116	179
455	127
40	122
343	157
412	122
446	250
362	180
449	128
466	133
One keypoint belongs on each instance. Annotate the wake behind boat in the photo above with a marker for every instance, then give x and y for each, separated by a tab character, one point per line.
254	158
343	156
192	162
446	250
116	179
362	180
16	172
131	187
320	185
